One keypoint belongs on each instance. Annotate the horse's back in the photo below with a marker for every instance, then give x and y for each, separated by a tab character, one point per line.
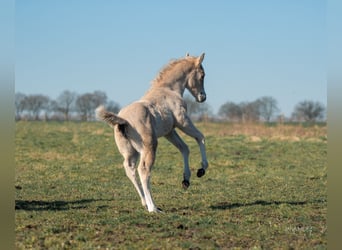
154	113
134	112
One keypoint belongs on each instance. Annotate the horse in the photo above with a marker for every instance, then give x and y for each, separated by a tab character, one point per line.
138	126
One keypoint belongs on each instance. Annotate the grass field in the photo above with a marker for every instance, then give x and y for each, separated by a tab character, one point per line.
266	188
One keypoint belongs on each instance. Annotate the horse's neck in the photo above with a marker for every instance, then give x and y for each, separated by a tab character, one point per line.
178	85
174	79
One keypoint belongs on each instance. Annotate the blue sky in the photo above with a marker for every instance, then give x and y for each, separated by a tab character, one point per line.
253	48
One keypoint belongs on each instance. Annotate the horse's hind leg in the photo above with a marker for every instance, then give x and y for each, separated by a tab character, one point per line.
131	157
130	164
175	139
147	158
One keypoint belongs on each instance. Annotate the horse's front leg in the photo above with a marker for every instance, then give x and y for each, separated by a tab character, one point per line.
189	128
175	139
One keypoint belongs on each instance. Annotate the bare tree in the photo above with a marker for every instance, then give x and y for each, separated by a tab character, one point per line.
309	111
98	98
242	112
198	111
50	108
88	102
192	106
268	107
250	111
64	103
34	104
231	111
19	101
83	105
204	112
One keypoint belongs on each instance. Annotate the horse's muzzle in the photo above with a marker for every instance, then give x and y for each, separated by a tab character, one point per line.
201	97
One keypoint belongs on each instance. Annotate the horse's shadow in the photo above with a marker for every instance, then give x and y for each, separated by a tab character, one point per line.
228	205
38	205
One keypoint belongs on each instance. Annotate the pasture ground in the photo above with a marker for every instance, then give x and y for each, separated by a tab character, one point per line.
266	188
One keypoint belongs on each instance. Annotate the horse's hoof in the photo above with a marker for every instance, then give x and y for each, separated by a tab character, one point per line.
185	184
156	210
200	172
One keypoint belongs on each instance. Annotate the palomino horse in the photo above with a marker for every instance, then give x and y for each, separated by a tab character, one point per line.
156	114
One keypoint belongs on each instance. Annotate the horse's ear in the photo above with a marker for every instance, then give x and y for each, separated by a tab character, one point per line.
200	59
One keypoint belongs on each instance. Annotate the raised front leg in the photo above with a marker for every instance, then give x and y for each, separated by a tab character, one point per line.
189	128
174	138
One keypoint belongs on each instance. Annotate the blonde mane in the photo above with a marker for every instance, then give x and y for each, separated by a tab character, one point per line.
174	66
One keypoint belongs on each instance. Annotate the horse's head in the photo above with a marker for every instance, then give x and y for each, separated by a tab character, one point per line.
195	80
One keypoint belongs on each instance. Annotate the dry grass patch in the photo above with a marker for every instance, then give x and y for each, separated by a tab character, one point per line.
257	132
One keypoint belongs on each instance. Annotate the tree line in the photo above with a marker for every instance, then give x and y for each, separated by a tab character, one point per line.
72	106
67	106
265	109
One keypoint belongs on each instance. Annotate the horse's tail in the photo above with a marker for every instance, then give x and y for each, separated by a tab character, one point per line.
109	117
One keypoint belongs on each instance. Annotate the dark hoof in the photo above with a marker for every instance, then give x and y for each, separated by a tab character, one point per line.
200	172
185	184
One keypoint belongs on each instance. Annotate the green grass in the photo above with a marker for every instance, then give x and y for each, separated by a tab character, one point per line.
72	192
